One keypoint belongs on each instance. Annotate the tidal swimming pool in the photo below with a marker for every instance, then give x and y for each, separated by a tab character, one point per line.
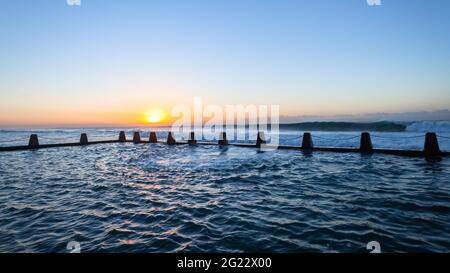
159	198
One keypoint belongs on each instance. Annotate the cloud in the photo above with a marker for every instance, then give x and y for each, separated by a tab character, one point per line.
403	116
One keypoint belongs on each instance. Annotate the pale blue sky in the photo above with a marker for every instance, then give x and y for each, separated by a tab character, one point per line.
312	57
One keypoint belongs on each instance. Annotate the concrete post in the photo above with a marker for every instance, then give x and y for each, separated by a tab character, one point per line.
136	138
307	143
191	139
34	142
83	139
365	145
223	139
153	138
431	146
171	139
122	137
260	139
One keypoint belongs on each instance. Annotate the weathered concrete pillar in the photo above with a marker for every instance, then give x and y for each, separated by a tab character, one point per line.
223	139
136	138
365	145
260	139
34	142
431	146
307	143
153	138
191	139
122	137
171	139
83	139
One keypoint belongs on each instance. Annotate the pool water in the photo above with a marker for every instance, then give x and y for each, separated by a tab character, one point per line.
157	198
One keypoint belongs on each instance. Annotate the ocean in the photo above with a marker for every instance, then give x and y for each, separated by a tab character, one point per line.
126	197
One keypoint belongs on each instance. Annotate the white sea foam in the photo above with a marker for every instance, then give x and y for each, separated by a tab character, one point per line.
429	126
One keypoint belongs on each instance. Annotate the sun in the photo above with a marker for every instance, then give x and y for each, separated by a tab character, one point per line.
154	116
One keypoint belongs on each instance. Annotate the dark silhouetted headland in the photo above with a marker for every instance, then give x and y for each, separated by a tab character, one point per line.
384	126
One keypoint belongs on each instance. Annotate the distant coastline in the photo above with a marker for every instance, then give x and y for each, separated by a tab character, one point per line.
383	126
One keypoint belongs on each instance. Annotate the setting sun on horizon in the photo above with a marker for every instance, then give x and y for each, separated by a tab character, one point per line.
155	116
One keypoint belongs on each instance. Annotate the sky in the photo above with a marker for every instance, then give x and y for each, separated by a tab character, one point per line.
108	62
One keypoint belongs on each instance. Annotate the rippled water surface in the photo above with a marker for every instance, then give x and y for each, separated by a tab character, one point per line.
157	198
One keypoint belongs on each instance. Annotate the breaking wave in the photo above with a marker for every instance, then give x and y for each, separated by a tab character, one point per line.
429	126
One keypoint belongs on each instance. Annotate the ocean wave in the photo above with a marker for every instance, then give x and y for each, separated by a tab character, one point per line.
429	126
